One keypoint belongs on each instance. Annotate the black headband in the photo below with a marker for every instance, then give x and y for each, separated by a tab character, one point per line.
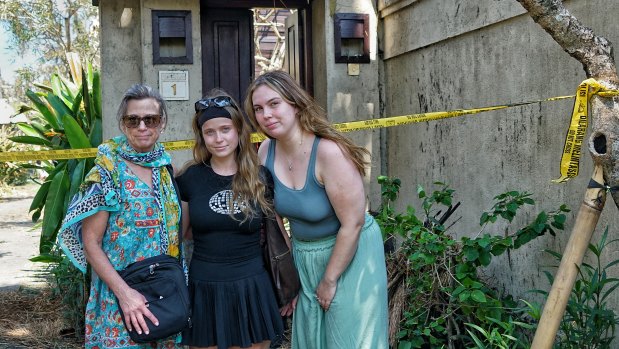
212	113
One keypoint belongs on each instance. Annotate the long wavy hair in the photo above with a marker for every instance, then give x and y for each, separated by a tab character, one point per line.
312	117
247	184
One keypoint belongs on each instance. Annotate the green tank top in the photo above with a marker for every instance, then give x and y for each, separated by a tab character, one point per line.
308	209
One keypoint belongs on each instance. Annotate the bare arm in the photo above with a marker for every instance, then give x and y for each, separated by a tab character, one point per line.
344	187
263	150
130	300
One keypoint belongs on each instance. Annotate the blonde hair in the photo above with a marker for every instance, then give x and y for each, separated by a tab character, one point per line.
312	117
247	185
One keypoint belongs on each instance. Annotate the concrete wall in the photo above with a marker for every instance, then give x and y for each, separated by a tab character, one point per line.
121	56
127	58
348	97
458	54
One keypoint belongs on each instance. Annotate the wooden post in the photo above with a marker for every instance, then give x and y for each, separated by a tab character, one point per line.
586	220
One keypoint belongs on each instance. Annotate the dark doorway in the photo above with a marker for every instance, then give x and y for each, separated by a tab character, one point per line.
228	44
227	50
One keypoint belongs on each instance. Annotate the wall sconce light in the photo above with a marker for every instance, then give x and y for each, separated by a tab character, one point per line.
125	18
352	39
172	37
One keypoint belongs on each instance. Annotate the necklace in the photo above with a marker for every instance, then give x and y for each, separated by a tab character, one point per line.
290	168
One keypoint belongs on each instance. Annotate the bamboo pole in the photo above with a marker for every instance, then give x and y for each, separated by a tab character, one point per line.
586	220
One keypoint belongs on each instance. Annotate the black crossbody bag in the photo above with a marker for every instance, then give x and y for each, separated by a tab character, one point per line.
161	280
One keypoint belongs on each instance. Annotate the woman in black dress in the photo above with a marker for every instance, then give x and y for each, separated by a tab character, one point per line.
223	197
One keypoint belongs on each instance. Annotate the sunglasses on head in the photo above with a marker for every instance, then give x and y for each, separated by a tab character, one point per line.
133	121
219	102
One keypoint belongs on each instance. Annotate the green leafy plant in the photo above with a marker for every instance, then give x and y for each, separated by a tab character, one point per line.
11	174
434	281
64	115
588	321
499	335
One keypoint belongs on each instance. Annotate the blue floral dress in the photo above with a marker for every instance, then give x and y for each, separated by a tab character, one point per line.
143	222
132	235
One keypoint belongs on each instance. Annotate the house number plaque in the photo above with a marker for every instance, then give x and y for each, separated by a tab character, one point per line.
174	85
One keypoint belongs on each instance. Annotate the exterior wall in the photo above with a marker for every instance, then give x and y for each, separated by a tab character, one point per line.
459	54
345	97
127	58
121	57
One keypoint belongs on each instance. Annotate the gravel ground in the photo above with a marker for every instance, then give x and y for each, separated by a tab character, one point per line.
18	240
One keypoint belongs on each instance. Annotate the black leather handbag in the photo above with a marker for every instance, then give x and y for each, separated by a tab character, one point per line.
161	281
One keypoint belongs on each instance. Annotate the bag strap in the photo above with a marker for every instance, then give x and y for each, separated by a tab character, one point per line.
180	205
269	193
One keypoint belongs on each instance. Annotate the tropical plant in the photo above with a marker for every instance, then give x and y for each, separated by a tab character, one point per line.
63	116
588	322
435	285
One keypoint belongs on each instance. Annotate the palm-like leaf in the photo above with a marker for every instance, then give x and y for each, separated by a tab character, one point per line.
29	130
76	136
45	111
59	106
31	140
54	210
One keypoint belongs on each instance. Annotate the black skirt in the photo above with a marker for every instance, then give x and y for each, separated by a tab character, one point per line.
233	304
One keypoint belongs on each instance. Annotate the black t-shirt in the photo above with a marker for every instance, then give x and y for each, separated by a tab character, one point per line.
217	237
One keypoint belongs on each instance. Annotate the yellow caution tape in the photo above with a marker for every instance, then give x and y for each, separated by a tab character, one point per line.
66	154
178	145
414	118
259	137
570	159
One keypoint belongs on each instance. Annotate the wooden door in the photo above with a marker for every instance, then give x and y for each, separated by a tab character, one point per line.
298	61
227	50
293	57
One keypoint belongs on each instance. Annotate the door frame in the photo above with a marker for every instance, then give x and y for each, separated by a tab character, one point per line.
305	19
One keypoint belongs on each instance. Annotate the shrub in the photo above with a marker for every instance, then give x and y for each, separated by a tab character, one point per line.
10	173
437	296
588	322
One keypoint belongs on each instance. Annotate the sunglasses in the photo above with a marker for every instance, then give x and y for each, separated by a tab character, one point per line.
219	102
133	121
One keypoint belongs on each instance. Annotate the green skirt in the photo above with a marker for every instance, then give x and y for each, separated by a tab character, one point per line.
357	317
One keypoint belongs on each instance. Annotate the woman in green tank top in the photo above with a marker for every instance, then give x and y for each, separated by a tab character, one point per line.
337	246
